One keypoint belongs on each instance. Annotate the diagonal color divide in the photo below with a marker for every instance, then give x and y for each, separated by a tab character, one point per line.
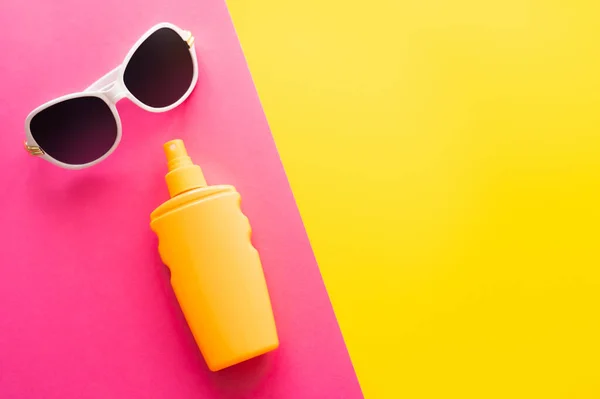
445	157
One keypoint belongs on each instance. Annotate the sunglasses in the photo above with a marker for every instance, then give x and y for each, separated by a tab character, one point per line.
81	129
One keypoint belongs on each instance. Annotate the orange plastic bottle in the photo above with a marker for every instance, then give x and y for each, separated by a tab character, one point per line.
204	239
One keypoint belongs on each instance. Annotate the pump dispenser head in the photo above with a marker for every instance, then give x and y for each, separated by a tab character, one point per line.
183	174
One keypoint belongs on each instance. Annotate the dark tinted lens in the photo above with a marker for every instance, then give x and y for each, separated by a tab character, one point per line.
161	70
75	131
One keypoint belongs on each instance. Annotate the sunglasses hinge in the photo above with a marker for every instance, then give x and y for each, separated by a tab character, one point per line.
189	38
34	150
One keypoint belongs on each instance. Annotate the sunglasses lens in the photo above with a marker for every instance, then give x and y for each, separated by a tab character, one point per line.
75	131
161	70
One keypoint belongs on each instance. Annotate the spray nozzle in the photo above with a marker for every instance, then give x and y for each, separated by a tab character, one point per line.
183	174
177	155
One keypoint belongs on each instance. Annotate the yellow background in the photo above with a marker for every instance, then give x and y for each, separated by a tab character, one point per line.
445	156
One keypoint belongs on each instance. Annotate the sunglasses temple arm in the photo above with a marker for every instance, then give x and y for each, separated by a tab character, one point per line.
105	81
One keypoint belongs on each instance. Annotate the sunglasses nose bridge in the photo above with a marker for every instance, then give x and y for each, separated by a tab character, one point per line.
115	91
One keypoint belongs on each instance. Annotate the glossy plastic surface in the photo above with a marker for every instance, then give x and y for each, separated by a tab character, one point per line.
111	89
216	273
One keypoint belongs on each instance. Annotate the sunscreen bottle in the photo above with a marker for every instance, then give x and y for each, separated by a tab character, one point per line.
216	273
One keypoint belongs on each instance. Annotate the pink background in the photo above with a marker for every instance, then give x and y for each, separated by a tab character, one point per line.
86	309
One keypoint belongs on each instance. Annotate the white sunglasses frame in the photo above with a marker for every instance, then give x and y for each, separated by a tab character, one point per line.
111	89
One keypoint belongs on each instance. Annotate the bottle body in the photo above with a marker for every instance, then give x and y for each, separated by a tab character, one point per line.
216	273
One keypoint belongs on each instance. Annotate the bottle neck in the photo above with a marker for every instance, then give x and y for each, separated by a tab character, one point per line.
184	178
